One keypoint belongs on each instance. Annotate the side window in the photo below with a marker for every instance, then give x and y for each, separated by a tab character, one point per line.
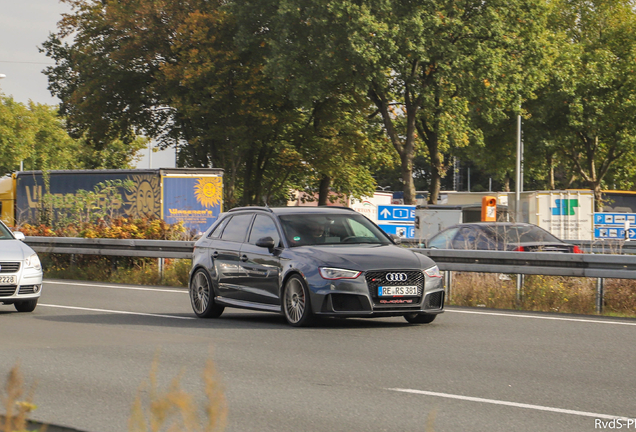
443	240
264	226
465	239
216	232
236	228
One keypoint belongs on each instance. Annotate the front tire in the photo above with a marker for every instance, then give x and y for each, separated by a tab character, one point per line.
26	305
202	296
420	318
296	304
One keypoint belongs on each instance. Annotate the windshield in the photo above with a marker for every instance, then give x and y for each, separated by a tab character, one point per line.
5	234
313	229
523	234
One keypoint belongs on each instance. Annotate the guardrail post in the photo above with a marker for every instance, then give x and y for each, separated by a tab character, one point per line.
161	267
599	295
519	288
448	283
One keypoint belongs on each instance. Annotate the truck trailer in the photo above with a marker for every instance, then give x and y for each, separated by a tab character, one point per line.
193	196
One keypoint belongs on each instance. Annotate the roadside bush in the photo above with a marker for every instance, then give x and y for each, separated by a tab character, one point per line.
542	293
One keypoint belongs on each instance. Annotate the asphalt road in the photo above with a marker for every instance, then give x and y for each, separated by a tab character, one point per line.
90	346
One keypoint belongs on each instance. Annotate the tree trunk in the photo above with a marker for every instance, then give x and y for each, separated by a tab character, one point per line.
598	196
323	194
507	183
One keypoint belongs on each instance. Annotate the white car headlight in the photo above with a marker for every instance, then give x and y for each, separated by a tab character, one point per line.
433	272
33	262
336	273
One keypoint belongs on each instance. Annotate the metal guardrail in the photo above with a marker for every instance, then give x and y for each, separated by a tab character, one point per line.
534	263
598	266
544	263
588	246
112	247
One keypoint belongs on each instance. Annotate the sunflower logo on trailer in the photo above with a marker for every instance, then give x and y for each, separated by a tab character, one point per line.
209	191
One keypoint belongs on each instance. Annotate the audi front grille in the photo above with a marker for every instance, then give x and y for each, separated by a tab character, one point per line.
377	279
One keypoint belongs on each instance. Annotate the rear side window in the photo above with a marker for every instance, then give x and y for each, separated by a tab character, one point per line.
264	227
216	232
236	228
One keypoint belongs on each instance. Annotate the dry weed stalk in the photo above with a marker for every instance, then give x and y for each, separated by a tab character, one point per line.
177	411
16	408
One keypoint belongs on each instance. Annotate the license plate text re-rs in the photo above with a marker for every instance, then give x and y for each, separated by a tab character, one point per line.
385	291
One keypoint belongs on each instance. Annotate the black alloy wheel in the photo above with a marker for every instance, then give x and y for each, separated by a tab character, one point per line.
202	296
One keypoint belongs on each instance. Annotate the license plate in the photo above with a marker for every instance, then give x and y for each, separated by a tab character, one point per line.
385	291
7	280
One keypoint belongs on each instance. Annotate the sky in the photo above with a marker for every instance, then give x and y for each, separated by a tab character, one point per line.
24	26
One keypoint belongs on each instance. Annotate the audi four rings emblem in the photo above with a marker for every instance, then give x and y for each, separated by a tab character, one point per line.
396	277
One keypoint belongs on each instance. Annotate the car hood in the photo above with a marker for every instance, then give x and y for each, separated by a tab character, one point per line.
14	250
361	257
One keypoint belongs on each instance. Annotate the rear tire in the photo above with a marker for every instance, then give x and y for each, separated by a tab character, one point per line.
202	296
296	303
26	305
420	318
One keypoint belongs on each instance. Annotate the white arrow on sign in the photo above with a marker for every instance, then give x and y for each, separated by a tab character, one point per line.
385	213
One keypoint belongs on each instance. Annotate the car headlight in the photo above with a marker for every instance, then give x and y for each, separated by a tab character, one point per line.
33	262
336	273
433	272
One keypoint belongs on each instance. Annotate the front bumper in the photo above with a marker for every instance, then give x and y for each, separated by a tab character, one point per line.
358	298
29	286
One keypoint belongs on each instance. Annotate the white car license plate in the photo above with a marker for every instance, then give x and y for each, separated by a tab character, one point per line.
385	291
7	280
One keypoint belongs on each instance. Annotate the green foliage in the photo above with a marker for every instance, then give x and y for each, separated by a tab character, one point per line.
427	67
36	135
586	112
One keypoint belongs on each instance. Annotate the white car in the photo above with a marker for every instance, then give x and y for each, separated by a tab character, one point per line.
20	271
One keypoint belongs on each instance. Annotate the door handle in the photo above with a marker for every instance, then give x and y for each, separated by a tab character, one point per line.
215	254
243	258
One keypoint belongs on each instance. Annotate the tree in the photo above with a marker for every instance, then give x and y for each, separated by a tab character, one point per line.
173	71
591	94
35	135
425	66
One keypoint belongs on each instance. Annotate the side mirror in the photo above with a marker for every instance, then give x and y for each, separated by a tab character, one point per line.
266	242
19	235
397	240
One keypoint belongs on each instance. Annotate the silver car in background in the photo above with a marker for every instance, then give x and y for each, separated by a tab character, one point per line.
20	271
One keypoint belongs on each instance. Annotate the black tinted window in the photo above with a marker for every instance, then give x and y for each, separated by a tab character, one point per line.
236	228
264	227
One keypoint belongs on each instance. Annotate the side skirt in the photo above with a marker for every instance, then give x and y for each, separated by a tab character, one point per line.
247	305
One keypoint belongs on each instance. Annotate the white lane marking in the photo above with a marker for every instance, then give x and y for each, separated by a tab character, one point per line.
115	311
511	404
134	288
513	315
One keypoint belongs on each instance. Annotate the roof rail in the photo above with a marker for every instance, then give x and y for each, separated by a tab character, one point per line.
267	209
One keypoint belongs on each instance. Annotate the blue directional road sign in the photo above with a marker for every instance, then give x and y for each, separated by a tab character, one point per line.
396	213
616	219
613	233
402	231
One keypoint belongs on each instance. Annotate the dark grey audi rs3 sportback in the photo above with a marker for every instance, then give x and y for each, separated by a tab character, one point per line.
306	262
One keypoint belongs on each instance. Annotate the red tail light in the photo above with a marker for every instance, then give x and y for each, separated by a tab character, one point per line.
577	249
519	249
